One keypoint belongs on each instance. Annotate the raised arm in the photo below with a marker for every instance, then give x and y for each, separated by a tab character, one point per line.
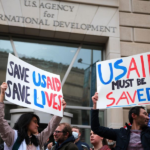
95	125
7	133
52	125
3	89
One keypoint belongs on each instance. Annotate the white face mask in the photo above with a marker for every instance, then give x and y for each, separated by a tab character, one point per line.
111	143
75	134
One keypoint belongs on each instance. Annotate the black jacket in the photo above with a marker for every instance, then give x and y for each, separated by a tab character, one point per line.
68	144
82	146
121	136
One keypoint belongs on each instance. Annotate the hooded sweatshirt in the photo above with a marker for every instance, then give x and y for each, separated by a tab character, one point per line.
68	144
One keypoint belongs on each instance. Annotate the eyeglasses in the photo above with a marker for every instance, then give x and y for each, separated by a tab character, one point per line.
58	131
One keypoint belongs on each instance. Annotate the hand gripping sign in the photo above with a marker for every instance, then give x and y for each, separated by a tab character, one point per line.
124	82
34	88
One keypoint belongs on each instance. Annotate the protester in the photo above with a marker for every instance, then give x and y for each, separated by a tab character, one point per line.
22	137
45	144
136	136
64	138
111	144
98	142
77	134
49	146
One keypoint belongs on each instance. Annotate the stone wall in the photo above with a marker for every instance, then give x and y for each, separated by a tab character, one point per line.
74	20
134	31
134	27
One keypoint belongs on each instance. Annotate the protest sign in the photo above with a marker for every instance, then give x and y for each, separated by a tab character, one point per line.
124	82
34	88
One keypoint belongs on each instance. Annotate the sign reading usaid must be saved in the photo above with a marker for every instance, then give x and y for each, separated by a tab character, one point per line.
61	16
124	82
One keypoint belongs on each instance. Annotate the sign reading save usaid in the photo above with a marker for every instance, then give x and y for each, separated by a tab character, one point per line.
124	82
34	88
61	16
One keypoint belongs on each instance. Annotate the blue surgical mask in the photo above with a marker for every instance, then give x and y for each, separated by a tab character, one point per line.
75	134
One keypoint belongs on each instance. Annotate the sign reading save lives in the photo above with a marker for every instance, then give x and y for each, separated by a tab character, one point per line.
124	82
34	88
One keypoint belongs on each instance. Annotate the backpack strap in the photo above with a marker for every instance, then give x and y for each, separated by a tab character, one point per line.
16	144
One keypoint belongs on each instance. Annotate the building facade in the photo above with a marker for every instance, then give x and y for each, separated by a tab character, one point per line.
68	37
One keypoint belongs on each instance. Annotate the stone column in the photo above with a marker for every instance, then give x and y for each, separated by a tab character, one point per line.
115	118
125	115
114	115
112	48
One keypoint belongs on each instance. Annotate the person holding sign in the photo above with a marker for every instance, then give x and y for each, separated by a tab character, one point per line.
23	137
136	136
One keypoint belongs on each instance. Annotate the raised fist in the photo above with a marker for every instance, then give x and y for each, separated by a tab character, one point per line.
3	88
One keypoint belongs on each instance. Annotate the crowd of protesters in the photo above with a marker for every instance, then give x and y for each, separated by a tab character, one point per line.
25	136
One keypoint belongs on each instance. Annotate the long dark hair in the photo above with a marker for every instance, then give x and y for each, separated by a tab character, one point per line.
104	142
22	127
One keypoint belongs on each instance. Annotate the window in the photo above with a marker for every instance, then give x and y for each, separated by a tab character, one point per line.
49	56
81	82
5	48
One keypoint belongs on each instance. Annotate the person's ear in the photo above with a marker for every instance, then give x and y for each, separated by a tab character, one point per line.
79	134
134	116
67	135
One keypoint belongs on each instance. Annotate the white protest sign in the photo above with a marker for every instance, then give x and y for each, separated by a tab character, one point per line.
34	88
124	82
